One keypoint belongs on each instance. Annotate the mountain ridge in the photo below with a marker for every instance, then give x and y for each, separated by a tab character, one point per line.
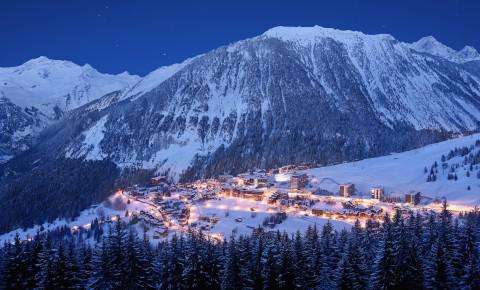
341	73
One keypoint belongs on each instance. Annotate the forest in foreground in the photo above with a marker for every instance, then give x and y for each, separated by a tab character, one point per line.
415	251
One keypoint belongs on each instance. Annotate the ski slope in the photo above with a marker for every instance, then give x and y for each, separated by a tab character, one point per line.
403	172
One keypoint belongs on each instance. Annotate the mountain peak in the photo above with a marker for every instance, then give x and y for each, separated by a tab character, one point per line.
469	53
431	45
45	62
41	58
300	33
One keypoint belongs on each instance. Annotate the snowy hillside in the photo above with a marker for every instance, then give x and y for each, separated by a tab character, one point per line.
404	172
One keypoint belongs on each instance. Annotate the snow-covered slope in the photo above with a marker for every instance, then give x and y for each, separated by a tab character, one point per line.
432	46
404	172
42	90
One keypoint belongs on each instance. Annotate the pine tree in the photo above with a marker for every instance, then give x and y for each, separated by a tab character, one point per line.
469	255
384	273
147	261
136	276
356	270
231	275
15	265
102	275
74	275
245	261
258	248
116	259
328	262
269	270
438	267
300	261
176	262
85	263
212	264
409	269
194	274
33	264
312	258
45	278
286	276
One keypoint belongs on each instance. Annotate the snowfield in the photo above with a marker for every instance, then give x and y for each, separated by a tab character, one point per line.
241	216
403	172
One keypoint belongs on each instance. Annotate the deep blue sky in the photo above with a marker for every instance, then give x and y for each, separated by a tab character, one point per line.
140	36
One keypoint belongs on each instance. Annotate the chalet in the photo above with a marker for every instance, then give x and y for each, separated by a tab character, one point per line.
253	194
378	193
277	196
260	182
346	190
241	179
286	168
393	198
225	178
298	181
157	180
413	198
137	193
273	171
302	167
255	180
299	194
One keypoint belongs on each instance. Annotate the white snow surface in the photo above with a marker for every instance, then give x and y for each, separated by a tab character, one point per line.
45	83
91	144
430	45
228	209
153	79
404	172
427	44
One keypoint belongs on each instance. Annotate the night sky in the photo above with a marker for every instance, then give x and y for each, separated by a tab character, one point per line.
139	36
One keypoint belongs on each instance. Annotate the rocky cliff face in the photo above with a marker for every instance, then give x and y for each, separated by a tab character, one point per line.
290	95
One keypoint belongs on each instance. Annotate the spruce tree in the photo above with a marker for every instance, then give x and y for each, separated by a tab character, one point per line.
231	274
384	273
15	265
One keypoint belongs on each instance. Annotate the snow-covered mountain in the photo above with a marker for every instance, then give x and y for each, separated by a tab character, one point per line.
290	95
42	90
432	46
